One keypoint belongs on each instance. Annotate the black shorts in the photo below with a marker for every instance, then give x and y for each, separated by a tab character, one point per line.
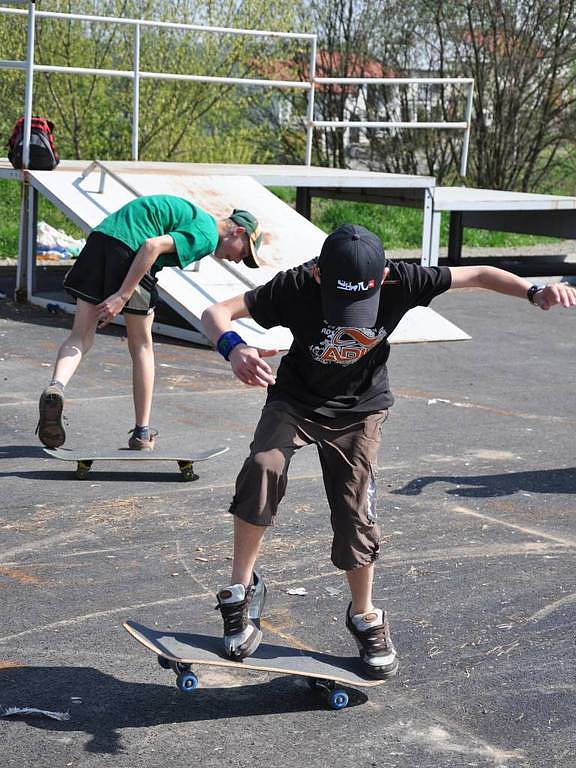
100	270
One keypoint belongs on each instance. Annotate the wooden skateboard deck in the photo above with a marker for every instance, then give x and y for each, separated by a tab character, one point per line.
85	458
179	651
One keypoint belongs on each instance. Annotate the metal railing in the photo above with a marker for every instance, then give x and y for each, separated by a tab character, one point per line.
136	74
462	125
310	84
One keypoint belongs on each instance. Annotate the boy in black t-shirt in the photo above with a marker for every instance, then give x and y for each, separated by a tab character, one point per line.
331	389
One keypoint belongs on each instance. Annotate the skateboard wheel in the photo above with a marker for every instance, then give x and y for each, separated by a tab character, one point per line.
164	663
82	469
187	682
338	699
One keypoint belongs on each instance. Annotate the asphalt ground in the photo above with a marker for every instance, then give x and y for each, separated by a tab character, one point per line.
477	482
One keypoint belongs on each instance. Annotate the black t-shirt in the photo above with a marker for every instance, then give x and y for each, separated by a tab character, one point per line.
332	370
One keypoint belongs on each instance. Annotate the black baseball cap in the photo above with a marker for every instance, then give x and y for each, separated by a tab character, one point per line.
351	265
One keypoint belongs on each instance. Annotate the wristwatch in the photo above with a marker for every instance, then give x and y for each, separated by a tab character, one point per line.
532	291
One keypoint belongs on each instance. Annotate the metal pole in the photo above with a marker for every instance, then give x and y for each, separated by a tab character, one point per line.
20	290
310	113
29	85
136	94
427	227
25	252
31	241
466	144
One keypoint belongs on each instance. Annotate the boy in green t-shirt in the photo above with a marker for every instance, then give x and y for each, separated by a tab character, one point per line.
114	274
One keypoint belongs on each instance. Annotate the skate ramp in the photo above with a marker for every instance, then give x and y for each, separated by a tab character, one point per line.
289	240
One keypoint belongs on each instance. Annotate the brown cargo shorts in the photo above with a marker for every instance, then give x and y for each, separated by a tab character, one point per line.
347	447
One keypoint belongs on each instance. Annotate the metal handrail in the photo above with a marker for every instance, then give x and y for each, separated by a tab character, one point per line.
310	84
161	75
105	171
396	80
164	24
136	74
464	125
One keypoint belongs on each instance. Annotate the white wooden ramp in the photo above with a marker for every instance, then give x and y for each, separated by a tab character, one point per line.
289	240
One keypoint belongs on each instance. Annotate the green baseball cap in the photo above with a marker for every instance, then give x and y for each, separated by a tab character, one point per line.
250	223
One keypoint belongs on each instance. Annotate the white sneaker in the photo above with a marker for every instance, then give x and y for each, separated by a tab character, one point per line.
372	634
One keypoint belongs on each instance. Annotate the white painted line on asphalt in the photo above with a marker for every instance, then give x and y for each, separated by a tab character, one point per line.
566	541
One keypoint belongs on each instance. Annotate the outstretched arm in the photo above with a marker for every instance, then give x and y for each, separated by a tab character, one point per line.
247	364
501	281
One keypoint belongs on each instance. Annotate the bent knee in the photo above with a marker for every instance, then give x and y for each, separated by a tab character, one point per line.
139	347
272	462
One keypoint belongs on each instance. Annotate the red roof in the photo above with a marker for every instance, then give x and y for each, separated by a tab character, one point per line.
328	64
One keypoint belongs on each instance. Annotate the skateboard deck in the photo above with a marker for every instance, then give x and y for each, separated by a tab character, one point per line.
179	651
85	458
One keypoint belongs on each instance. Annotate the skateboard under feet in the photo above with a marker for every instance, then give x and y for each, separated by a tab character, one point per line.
327	675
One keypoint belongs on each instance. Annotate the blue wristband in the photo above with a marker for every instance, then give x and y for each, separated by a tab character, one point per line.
227	342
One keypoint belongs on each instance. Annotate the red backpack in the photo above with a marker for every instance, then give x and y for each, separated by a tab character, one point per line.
43	155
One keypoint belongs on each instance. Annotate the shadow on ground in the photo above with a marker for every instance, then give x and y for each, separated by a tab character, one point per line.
35	315
505	484
22	452
108	705
142	476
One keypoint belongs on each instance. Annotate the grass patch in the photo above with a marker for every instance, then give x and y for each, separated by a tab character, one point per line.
10	218
399	228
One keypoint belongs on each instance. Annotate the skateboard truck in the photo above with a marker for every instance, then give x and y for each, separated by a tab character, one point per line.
186	468
187	681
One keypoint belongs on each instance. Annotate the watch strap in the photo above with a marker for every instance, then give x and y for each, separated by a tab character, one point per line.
532	291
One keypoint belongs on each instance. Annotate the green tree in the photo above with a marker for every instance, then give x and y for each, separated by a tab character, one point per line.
521	57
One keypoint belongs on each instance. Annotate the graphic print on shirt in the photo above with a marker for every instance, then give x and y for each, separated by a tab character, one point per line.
344	346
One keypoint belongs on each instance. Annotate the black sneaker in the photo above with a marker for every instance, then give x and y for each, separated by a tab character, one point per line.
372	634
241	609
50	429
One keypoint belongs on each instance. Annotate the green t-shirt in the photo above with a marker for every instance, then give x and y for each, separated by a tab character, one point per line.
193	230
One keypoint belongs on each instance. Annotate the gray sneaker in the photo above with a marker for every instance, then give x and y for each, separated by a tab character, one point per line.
142	443
241	609
258	593
50	429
